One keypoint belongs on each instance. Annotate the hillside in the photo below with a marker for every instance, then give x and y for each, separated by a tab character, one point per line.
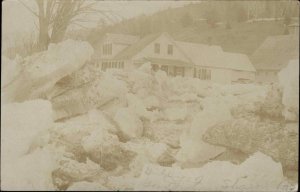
242	37
223	23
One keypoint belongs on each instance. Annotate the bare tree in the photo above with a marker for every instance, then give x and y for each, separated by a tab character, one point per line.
56	15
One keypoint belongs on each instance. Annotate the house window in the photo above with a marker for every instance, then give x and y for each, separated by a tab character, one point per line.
157	48
203	74
107	49
208	74
179	71
170	49
165	68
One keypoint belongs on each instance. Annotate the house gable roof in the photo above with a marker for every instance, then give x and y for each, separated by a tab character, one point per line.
275	52
135	48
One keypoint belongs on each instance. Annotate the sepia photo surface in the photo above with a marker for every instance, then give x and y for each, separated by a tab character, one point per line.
150	95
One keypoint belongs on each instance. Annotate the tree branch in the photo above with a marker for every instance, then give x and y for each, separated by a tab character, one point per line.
28	8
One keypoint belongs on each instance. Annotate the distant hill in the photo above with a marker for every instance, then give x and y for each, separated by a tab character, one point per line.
224	23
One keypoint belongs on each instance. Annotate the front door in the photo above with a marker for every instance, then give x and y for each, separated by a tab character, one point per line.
179	71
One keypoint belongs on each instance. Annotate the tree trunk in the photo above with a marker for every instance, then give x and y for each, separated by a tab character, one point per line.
43	31
43	35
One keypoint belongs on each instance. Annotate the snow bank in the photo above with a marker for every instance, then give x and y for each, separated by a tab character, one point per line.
44	69
10	69
175	113
20	124
32	172
129	123
86	186
289	81
257	173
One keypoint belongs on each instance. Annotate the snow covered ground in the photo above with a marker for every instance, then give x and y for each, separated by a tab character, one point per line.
132	130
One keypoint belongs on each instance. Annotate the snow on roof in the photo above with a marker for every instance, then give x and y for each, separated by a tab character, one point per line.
122	38
137	47
214	56
275	52
203	55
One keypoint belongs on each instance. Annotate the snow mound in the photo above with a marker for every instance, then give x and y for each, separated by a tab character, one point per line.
175	113
20	124
289	80
258	173
86	186
32	172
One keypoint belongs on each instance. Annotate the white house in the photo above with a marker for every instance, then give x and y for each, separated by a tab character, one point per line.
206	62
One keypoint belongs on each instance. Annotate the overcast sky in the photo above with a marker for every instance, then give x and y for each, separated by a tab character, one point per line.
18	22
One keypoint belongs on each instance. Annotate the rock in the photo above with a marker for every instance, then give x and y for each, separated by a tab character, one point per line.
249	136
129	123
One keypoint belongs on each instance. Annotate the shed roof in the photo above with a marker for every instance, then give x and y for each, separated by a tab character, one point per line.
202	54
275	52
214	56
238	61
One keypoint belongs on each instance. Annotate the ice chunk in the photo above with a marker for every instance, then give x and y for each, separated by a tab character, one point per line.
193	149
289	80
42	70
129	123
